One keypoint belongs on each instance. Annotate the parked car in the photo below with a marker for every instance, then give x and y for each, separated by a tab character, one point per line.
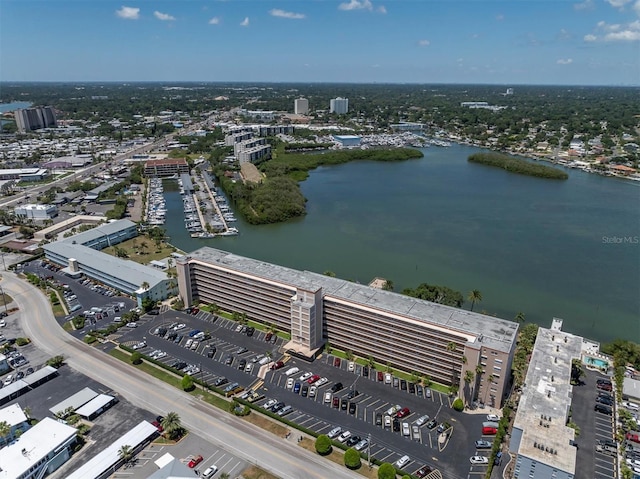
352	408
195	460
422	472
405	429
380	376
327	397
268	336
378	419
291	371
482	444
209	472
344	436
479	460
403	461
336	362
405	411
361	445
322	382
334	432
351	366
352	441
433	423
277	365
336	387
422	420
493	417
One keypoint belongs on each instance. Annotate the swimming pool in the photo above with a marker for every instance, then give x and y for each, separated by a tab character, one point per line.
598	363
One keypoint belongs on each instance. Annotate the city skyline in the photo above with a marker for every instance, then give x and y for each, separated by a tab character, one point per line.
593	42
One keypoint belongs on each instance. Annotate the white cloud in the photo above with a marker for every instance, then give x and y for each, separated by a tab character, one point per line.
128	13
565	61
590	38
636	7
245	22
623	36
586	5
276	12
424	43
616	32
214	21
618	3
356	5
382	9
165	17
563	34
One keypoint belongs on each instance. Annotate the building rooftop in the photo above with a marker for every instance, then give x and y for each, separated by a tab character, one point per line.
546	400
494	333
97	403
93	234
33	446
75	401
12	415
631	388
166	161
30	207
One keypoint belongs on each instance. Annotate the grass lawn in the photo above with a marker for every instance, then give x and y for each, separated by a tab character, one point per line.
265	423
337	456
254	472
5	299
58	310
139	253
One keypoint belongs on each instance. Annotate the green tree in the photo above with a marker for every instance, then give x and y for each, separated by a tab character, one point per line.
386	471
475	296
187	383
352	458
331	274
388	285
172	425
145	286
458	404
56	361
519	317
5	429
136	358
323	445
125	453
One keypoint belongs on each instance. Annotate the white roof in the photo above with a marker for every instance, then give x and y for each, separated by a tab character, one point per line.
33	446
164	460
631	388
109	456
12	415
94	405
77	400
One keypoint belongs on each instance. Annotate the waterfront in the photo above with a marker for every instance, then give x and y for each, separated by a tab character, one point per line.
546	248
4	107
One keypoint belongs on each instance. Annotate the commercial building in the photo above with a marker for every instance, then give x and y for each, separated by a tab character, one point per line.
411	334
80	254
24	174
347	140
339	105
301	106
39	451
544	444
165	167
30	119
15	417
36	212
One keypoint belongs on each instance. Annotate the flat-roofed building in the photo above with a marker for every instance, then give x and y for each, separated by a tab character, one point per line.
17	420
233	138
347	140
301	106
339	105
30	119
24	174
256	153
411	334
165	167
273	130
36	212
39	451
247	144
543	442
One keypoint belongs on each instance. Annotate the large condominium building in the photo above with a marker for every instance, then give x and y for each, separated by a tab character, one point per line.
301	106
165	167
339	105
30	119
541	438
411	334
246	144
236	137
36	212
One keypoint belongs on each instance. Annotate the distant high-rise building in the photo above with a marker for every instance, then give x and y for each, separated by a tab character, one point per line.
301	106
509	91
30	119
339	105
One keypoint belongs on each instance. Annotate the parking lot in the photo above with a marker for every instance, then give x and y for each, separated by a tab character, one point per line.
224	355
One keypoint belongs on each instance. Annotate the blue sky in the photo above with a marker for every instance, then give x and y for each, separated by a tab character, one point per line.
591	42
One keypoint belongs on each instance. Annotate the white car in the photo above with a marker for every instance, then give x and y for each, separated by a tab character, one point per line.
351	366
238	328
8	380
305	376
334	432
180	326
132	325
139	345
290	383
493	417
405	429
344	436
188	343
269	403
209	472
291	371
393	410
312	391
479	460
403	461
321	382
161	355
422	420
327	397
387	421
3	323
387	378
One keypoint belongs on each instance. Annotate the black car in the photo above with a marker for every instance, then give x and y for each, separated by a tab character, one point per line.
403	385
178	339
344	404
179	365
220	381
29	371
603	409
276	407
365	371
250	331
353	393
396	424
336	387
431	424
604	400
19	375
211	352
412	388
162	332
396	382
304	391
378	419
228	360
353	440
242	364
154	312
172	336
352	408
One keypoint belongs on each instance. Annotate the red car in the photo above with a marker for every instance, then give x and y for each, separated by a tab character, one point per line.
489	431
195	311
380	376
268	336
336	362
313	379
403	412
633	436
195	460
336	402
277	365
158	426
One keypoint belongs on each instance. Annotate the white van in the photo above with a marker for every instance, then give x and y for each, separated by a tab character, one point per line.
631	406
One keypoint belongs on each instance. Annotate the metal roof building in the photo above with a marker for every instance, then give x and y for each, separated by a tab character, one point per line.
96	406
79	399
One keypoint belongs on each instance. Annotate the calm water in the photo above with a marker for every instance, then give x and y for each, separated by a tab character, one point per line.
14	106
527	244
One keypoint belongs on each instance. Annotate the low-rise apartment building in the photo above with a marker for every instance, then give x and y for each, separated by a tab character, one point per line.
414	335
165	167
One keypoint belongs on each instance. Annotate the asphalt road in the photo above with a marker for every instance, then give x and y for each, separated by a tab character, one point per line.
251	443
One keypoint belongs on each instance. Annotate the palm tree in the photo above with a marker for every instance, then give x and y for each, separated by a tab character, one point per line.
519	317
475	296
145	285
5	429
451	346
172	424
125	453
224	475
468	377
479	372
388	285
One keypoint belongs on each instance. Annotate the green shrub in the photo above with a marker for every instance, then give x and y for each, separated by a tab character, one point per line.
458	405
323	445
136	358
89	339
386	471
352	459
187	383
22	341
78	322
